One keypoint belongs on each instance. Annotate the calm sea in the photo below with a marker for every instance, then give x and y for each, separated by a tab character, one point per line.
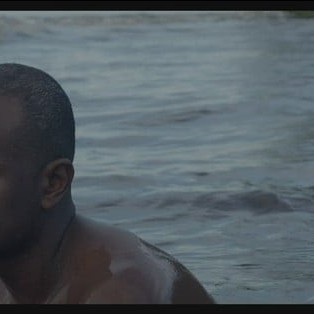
195	131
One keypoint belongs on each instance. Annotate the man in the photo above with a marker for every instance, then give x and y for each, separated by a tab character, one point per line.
48	253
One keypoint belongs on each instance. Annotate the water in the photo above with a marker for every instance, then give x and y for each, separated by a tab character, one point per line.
195	131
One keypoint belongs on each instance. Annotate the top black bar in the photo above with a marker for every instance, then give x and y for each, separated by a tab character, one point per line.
154	5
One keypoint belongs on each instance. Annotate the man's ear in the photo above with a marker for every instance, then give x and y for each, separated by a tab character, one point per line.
56	180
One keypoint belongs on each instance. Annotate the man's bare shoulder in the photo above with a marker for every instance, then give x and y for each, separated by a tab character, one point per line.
114	265
122	268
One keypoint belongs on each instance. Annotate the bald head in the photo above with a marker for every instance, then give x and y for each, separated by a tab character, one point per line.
47	127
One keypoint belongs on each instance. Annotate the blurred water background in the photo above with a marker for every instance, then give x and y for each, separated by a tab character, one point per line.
195	131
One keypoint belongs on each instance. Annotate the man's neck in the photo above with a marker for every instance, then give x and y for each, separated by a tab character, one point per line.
31	276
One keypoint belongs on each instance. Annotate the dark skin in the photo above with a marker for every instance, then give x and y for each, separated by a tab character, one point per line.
49	254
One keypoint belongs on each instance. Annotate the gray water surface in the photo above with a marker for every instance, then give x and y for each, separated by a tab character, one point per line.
195	131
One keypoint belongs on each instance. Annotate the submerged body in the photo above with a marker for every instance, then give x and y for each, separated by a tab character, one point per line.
98	263
48	254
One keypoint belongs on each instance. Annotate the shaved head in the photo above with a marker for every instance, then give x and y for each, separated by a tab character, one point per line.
48	130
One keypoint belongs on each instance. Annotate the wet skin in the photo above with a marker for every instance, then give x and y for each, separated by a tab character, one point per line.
48	254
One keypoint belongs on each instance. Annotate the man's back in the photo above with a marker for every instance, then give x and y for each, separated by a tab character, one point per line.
104	264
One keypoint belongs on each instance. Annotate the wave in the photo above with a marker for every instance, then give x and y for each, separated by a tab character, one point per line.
214	204
170	116
258	201
31	23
